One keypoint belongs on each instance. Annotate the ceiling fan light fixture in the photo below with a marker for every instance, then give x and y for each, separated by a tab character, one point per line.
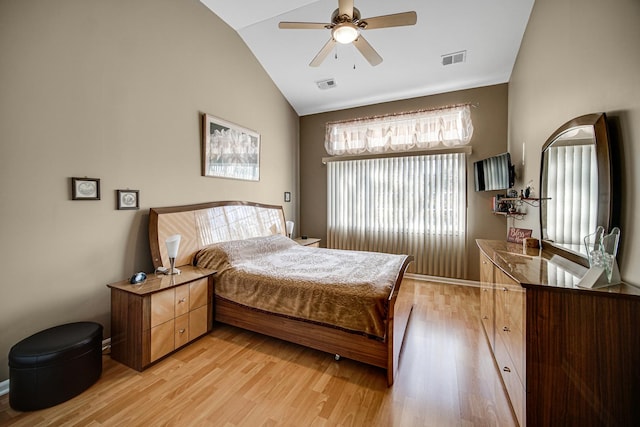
345	33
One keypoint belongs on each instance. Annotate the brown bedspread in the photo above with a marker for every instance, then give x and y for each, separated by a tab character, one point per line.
345	289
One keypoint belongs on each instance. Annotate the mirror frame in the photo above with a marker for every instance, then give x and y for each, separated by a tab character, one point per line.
607	194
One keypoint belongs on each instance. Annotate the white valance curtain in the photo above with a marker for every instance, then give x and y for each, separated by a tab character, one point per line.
405	205
444	127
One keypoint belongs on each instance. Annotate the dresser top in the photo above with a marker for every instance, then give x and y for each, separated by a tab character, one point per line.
159	282
536	267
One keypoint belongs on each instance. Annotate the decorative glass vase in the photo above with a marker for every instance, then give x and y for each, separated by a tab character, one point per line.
602	250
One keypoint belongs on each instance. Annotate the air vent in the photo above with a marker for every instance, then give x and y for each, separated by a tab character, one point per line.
454	58
326	84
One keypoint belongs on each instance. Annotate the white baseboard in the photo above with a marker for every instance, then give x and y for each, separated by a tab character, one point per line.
439	279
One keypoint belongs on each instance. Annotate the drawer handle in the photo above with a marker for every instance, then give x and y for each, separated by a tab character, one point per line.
506	329
182	300
505	289
181	331
506	369
485	317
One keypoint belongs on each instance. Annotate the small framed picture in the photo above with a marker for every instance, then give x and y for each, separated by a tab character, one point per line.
85	189
287	196
128	199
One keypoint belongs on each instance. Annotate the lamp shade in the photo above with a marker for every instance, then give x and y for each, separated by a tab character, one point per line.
173	243
345	33
290	225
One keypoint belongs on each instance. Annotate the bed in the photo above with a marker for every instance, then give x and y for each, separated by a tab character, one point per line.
268	284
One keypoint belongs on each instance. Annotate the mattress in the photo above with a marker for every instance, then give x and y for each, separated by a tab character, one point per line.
344	289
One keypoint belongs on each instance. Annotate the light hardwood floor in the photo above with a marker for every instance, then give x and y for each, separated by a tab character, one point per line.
237	378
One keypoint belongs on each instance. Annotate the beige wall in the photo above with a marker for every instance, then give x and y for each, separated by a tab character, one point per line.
578	58
114	90
489	138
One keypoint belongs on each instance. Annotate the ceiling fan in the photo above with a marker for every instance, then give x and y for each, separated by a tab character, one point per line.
346	25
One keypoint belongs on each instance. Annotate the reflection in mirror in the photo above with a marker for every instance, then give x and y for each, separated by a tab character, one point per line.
575	184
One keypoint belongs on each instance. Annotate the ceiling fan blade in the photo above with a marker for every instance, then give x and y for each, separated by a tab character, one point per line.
394	20
345	7
367	51
326	49
303	26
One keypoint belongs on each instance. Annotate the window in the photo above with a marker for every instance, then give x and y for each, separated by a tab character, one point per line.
412	204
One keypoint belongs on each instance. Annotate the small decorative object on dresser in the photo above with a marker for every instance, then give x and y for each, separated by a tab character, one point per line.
85	188
517	235
128	199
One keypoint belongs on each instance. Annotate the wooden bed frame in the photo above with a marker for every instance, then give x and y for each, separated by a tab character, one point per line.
203	224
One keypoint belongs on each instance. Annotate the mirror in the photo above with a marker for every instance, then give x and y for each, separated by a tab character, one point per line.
575	185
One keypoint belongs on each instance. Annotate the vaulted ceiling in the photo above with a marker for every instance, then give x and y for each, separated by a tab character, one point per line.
488	33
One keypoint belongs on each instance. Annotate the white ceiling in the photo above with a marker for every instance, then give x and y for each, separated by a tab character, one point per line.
489	30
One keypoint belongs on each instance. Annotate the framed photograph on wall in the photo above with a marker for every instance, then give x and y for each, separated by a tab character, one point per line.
229	150
85	188
128	199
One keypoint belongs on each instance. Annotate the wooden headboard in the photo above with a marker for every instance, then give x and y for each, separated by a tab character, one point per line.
208	223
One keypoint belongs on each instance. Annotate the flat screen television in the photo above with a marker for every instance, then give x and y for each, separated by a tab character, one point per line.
494	173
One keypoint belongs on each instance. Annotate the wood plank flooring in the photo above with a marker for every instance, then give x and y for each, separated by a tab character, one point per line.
233	377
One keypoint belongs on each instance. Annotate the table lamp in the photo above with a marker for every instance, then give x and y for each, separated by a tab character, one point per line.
173	243
290	225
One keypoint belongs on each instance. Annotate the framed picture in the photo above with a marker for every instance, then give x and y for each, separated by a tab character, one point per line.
85	189
229	150
128	199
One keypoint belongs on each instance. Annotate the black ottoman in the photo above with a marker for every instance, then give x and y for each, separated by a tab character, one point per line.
54	365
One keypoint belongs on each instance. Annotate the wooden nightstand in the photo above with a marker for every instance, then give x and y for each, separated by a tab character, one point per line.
152	319
308	242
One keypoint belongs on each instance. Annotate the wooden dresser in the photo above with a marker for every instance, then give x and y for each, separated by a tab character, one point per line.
567	356
154	318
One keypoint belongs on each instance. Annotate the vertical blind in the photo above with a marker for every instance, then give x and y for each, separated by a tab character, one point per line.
572	185
413	205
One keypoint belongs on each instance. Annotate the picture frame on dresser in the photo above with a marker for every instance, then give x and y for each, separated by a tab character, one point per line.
229	150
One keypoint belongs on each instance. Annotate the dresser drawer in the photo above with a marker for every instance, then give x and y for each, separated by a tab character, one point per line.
162	307
198	294
181	330
181	300
515	388
162	340
198	322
